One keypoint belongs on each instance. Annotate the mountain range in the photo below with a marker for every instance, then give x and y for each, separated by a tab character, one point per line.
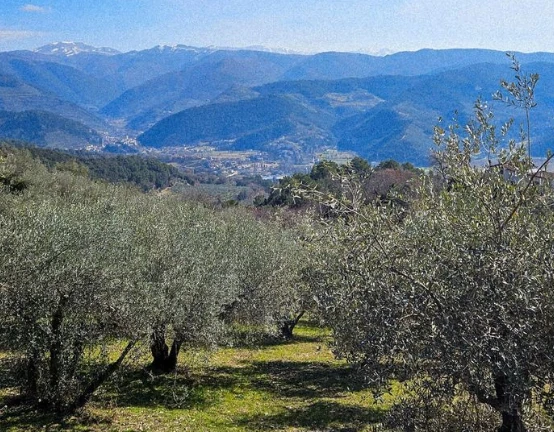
288	106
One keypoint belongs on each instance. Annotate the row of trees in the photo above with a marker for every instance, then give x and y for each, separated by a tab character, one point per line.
89	271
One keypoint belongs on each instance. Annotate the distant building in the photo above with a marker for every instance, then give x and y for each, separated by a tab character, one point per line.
540	176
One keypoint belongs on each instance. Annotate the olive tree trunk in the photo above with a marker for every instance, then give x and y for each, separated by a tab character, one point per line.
509	409
288	325
164	359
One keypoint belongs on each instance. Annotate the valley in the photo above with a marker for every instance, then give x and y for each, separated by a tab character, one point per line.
245	112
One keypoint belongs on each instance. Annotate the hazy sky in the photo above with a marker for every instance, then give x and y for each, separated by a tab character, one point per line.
301	25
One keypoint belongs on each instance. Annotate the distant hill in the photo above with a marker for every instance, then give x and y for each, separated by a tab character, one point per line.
65	82
336	65
196	85
124	70
133	68
402	126
378	117
17	95
289	105
208	74
272	123
46	130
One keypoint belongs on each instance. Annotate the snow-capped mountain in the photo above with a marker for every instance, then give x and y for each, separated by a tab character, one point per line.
68	49
180	47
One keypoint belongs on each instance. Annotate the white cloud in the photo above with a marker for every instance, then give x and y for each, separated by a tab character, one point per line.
34	8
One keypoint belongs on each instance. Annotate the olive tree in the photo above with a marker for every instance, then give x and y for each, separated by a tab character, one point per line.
455	289
268	261
207	270
66	296
187	268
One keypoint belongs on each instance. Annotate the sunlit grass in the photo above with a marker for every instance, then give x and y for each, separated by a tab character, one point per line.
287	386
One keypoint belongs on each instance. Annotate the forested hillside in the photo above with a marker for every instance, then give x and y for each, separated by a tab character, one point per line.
184	97
378	118
146	173
44	129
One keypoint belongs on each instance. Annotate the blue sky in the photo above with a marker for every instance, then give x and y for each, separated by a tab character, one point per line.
300	25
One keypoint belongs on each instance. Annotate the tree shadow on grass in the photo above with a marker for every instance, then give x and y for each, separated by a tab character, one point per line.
320	416
266	341
26	417
139	388
131	387
291	379
300	338
307	379
307	331
10	370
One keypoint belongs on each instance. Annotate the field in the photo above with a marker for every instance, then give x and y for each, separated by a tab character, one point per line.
281	386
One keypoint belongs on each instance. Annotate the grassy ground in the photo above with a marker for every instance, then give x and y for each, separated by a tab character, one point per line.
288	386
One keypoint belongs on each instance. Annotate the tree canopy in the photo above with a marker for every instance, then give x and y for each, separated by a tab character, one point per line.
453	290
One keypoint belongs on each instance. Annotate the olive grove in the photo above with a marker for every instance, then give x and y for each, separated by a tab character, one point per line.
90	271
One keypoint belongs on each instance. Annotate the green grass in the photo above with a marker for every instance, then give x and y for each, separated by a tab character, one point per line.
285	386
